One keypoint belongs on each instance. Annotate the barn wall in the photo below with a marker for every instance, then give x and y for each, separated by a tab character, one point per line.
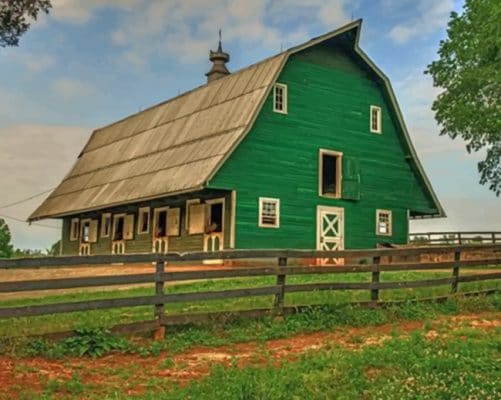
329	96
142	243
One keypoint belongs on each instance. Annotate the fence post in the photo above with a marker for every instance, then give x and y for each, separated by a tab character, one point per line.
460	241
493	237
455	271
159	333
280	296
375	278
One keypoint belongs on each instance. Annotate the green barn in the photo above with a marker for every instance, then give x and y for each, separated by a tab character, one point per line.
307	149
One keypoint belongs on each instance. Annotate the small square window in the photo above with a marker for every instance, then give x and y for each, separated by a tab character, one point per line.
330	173
269	213
383	223
143	225
74	229
375	122
280	98
105	225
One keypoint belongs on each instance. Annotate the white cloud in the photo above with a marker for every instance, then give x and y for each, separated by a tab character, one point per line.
70	88
80	12
187	29
431	16
34	159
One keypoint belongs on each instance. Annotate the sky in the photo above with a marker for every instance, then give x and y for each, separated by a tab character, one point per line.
92	62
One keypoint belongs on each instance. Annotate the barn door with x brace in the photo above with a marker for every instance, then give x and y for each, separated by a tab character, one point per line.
330	232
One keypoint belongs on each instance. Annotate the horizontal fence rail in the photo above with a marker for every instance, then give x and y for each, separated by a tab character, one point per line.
373	264
448	238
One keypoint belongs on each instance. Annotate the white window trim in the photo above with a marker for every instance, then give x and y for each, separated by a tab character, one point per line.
82	223
269	200
143	210
379	119
103	217
72	236
114	224
390	222
157	211
339	175
283	86
189	202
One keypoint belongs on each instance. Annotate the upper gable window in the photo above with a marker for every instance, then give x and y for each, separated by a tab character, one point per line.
329	171
375	123
280	98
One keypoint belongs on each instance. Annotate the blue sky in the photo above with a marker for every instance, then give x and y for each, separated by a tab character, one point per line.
92	62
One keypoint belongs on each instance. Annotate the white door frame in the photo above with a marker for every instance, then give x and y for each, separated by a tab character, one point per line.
208	237
333	210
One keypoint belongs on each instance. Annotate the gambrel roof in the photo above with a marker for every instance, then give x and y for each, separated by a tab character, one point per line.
177	146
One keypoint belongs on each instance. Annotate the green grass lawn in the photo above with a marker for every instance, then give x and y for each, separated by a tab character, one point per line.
108	318
460	363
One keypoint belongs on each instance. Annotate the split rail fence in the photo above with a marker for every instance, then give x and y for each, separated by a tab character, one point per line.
452	237
279	266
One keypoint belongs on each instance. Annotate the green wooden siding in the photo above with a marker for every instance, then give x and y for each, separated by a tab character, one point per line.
142	243
329	98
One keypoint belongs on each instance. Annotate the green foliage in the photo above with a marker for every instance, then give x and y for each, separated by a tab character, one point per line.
54	249
402	368
469	71
6	248
16	17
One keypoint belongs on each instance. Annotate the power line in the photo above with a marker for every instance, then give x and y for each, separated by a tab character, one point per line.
27	198
24	222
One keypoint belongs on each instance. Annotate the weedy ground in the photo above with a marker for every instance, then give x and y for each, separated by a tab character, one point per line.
413	351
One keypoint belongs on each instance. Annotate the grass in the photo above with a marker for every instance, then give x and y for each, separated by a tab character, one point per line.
402	368
108	318
460	365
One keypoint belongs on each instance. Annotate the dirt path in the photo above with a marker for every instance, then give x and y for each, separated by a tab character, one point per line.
132	373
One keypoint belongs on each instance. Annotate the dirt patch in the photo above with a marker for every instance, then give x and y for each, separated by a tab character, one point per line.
132	374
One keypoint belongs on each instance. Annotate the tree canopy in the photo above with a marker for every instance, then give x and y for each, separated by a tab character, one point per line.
16	17
469	71
6	248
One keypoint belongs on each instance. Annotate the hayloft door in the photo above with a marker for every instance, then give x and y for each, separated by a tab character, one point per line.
330	232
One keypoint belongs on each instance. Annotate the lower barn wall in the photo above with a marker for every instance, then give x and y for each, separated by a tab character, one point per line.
142	243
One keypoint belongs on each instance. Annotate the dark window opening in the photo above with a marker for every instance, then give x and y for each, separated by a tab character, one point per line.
161	224
144	223
216	218
118	234
329	174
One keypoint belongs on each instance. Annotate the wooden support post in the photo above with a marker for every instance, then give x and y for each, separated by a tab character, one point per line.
280	296
455	271
159	333
375	278
493	234
459	238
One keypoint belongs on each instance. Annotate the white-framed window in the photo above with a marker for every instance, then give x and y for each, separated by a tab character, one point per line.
160	222
280	98
85	231
105	225
375	120
330	164
269	213
74	229
118	227
143	223
189	202
383	223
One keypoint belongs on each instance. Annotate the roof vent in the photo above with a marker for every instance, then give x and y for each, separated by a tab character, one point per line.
219	58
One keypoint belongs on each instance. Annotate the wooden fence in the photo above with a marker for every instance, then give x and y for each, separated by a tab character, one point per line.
450	238
281	269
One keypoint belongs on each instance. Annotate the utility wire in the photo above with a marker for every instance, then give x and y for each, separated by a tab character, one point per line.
27	198
33	223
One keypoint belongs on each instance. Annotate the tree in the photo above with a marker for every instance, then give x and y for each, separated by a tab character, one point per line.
469	71
54	249
16	17
6	248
